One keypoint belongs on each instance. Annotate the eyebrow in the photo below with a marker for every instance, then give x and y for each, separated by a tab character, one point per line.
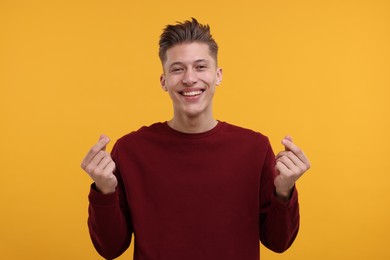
196	61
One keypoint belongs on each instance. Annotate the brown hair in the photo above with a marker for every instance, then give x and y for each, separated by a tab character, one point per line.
186	32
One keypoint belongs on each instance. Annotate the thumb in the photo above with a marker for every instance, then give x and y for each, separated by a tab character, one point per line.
286	141
104	140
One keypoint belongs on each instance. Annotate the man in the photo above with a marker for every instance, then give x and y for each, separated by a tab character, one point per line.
192	187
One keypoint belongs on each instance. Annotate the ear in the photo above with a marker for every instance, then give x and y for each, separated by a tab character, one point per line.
219	76
162	82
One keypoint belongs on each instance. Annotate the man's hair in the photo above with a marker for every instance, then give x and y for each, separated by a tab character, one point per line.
186	32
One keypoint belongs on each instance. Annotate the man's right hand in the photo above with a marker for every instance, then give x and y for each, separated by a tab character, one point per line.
100	166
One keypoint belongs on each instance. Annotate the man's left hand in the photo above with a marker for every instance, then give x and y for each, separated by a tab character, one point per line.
291	164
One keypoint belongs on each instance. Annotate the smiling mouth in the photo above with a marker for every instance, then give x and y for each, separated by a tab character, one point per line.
191	93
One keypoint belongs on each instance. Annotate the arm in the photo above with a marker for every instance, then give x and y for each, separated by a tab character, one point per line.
109	219
279	209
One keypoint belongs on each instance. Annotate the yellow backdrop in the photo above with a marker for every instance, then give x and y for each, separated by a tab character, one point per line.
318	70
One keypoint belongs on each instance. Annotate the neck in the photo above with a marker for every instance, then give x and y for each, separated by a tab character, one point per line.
192	125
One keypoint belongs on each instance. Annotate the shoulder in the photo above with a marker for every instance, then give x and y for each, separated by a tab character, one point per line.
244	133
248	141
144	133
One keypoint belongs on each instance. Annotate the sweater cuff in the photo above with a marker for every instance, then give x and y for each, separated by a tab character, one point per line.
287	203
97	198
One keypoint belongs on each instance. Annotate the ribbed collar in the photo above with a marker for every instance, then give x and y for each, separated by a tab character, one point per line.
212	131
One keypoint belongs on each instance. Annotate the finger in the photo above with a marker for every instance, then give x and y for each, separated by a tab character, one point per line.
297	161
110	167
95	162
289	138
288	163
281	167
302	166
106	166
104	138
284	153
99	146
290	146
280	154
103	163
287	141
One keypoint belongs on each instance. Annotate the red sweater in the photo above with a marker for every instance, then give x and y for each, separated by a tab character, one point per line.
193	196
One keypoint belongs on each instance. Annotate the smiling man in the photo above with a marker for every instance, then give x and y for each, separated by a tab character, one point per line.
193	187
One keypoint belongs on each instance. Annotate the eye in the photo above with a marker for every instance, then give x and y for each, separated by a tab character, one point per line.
201	67
176	69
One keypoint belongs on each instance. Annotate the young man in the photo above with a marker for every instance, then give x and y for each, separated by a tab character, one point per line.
192	187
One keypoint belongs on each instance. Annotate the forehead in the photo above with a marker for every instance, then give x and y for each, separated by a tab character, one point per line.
188	53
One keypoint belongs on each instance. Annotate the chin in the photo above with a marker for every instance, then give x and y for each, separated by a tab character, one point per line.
192	113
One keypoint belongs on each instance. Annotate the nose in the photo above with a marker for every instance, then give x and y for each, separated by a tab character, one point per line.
190	77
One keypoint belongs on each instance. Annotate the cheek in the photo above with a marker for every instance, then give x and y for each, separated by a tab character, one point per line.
210	79
171	82
172	94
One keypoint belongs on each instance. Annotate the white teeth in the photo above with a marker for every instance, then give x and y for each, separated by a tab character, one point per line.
192	93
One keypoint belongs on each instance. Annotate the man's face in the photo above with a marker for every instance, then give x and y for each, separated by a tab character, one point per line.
190	77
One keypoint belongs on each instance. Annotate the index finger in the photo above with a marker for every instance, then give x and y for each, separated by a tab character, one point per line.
290	146
99	146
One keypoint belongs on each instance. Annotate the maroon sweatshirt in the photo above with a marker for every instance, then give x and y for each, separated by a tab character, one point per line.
193	196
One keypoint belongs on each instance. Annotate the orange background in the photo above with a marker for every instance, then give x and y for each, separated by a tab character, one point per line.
318	70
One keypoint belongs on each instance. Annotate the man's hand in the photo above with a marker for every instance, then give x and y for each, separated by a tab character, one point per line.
100	166
291	164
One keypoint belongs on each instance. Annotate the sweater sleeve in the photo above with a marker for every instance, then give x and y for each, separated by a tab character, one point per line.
279	221
109	220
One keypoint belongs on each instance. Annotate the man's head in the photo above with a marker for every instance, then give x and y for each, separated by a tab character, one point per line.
186	32
190	72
